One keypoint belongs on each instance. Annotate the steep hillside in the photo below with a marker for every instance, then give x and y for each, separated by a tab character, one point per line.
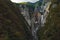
51	30
12	24
29	4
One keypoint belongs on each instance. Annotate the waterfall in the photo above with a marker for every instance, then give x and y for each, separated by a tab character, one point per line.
37	19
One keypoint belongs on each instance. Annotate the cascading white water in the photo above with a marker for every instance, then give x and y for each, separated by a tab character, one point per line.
35	24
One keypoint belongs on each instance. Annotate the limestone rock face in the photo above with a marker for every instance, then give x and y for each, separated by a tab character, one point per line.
51	30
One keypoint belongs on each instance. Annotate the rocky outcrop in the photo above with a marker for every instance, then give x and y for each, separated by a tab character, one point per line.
51	30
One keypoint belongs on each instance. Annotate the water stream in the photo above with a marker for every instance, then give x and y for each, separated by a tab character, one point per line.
35	24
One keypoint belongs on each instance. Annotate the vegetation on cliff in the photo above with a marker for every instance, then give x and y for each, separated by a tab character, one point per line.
51	30
12	26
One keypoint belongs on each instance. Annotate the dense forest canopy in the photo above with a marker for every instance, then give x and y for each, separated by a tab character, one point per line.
12	26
